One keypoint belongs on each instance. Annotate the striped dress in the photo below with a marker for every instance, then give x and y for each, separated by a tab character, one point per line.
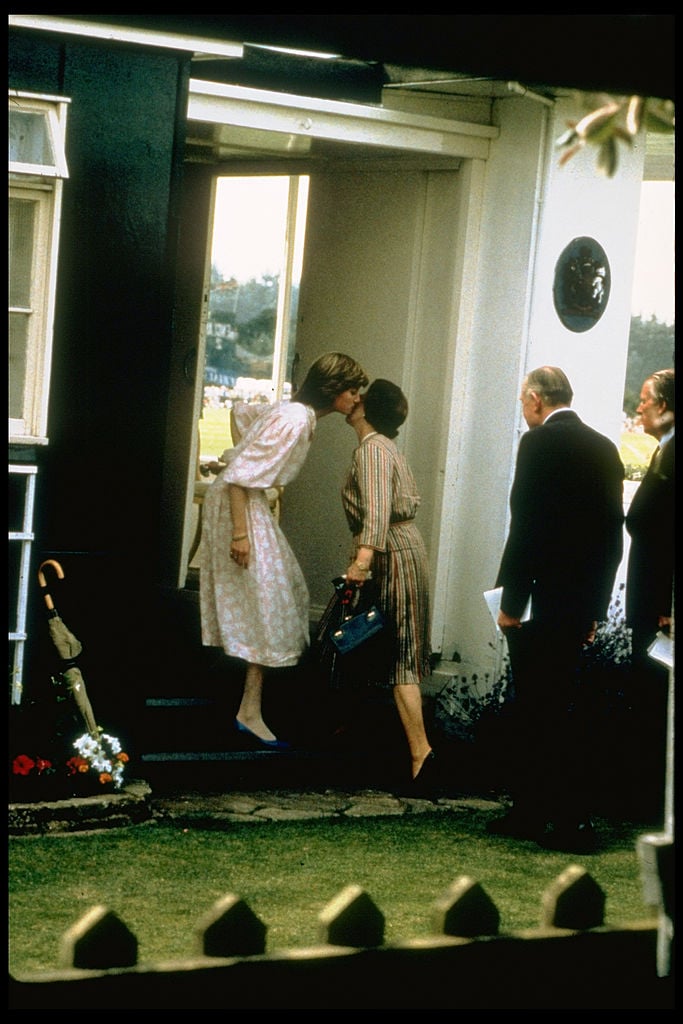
380	500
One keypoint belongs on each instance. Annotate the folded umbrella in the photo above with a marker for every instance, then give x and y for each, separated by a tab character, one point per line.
68	647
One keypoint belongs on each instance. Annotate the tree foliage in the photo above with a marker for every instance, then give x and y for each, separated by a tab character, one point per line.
651	346
243	315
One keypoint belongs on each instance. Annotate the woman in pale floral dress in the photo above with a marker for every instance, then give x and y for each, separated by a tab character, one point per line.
253	597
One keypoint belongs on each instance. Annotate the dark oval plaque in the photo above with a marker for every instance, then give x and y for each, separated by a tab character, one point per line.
582	284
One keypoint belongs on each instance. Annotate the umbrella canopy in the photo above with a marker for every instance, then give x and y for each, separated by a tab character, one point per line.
68	647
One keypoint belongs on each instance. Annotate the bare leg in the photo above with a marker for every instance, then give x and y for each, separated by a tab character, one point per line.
408	700
249	712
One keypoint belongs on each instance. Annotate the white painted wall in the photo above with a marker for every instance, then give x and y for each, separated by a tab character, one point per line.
532	209
580	201
487	382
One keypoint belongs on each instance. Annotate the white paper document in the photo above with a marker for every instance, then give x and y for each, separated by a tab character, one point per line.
493	599
662	650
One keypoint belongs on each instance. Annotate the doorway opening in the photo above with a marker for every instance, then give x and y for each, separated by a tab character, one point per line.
256	254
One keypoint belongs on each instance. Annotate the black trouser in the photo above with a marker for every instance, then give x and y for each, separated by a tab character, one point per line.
649	696
550	750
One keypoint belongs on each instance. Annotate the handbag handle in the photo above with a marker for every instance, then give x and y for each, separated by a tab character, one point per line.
355	598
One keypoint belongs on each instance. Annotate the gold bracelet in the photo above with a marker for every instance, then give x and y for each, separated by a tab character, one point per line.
242	536
363	568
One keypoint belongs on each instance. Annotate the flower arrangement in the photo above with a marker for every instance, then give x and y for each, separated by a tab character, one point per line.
100	755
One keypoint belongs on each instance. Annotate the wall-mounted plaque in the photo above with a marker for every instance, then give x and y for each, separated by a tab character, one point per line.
582	284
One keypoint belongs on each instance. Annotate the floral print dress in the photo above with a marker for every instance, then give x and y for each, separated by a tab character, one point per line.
259	614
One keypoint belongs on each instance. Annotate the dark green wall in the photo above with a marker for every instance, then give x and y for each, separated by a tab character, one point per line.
99	483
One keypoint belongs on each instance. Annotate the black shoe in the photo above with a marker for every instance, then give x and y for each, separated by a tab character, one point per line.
576	838
425	782
516	825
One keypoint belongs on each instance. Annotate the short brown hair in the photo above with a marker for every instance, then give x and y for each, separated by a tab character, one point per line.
329	376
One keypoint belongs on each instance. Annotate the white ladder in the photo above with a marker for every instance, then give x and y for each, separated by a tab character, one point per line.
24	537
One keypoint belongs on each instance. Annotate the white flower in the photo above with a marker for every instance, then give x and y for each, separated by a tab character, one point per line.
102	754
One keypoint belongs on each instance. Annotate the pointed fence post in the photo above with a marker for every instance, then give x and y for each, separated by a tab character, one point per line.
574	900
351	919
466	910
656	853
230	928
97	941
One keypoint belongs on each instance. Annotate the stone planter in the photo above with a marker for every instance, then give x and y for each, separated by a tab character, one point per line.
116	809
44	787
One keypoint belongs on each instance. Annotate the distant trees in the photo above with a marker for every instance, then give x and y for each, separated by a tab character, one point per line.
241	330
651	346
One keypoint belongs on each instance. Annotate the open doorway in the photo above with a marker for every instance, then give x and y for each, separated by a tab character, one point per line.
256	252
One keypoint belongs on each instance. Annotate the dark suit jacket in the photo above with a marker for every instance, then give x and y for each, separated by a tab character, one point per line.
650	523
566	530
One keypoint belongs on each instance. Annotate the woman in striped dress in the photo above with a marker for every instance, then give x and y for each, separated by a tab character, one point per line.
380	501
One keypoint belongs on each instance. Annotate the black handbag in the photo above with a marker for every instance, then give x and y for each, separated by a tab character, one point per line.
354	641
356	627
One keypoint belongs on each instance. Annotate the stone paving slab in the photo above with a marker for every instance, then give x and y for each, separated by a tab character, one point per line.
136	804
298	806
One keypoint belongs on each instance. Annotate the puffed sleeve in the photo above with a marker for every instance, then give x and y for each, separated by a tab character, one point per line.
375	471
273	449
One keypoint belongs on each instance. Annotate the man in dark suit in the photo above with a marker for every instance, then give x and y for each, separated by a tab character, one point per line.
563	550
649	579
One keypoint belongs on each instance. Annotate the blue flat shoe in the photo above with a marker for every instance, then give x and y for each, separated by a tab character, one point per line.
268	744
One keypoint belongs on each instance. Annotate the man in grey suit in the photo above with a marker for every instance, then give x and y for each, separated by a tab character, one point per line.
650	580
563	550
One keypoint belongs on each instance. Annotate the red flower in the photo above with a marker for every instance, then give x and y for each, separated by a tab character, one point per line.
42	765
77	764
23	765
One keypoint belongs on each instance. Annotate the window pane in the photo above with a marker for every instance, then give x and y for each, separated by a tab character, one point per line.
246	262
256	256
22	217
29	139
18	332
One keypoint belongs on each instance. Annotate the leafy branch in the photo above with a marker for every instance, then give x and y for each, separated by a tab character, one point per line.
613	121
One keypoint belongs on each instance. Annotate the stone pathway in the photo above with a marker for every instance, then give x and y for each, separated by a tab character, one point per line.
294	806
136	803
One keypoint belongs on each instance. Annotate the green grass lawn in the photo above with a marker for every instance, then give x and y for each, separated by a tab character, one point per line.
160	878
636	450
214	431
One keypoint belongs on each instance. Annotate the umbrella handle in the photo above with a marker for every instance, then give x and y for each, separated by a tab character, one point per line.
41	579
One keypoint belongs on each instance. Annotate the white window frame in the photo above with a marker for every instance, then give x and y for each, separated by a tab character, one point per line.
41	184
